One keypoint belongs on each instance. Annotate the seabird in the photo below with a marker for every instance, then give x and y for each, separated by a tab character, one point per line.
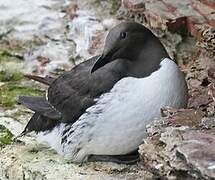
99	109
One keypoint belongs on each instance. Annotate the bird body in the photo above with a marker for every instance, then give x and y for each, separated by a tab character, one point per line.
102	106
116	124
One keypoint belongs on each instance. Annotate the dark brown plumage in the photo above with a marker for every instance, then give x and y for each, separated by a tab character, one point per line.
45	80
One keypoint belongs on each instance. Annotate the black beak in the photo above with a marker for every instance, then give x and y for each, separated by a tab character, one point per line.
100	62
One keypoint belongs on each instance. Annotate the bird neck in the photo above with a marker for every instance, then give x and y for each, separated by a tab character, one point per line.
148	60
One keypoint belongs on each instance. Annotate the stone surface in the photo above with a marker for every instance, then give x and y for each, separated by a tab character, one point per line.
198	149
33	161
195	17
183	117
62	32
179	152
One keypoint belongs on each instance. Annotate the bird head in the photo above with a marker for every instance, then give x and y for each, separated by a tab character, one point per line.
129	41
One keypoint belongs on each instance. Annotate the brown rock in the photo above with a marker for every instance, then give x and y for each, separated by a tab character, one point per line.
195	17
180	152
211	91
71	10
199	100
183	117
135	5
198	150
208	123
211	74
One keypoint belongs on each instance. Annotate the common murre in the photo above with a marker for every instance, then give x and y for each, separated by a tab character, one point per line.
101	107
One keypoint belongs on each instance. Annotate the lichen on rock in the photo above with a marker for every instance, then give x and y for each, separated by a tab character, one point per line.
6	137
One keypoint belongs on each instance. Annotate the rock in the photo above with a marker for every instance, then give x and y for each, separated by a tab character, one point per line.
208	123
28	19
211	87
198	150
211	74
195	17
206	36
49	57
32	161
185	151
199	99
183	117
159	156
211	91
5	136
134	5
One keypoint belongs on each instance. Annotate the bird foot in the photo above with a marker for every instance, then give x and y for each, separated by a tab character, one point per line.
119	159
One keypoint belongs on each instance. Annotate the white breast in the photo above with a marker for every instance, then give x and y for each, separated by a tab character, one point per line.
116	123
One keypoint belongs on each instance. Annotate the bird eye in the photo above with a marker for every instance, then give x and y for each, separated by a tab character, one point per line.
123	35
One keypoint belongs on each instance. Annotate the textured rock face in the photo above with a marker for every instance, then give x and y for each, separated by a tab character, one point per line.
199	151
32	161
181	152
195	17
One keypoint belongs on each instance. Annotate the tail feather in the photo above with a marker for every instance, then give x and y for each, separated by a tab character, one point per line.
40	105
39	123
45	116
45	80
